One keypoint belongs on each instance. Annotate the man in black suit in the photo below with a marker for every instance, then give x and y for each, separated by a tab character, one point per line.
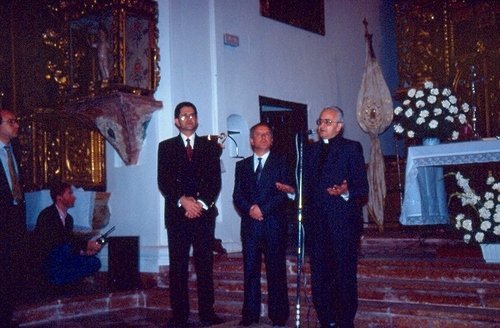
12	217
334	181
189	177
63	255
264	226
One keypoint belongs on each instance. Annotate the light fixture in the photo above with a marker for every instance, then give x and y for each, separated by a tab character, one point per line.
229	135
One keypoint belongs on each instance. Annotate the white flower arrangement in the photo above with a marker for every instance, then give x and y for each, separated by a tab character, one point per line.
430	113
482	224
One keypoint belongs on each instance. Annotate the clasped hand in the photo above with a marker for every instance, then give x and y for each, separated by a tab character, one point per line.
338	190
255	211
193	208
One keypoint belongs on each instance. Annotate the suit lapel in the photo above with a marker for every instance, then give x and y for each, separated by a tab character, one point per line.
265	169
182	149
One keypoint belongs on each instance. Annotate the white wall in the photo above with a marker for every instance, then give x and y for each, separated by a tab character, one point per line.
274	60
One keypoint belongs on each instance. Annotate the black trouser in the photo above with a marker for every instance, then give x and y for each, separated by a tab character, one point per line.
198	233
333	259
13	255
262	240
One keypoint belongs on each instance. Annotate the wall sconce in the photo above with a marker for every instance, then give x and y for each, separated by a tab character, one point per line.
215	138
229	135
238	132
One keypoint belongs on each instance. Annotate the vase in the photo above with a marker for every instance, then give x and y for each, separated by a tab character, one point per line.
491	253
430	141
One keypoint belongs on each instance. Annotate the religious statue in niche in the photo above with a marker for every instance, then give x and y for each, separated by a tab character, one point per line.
103	53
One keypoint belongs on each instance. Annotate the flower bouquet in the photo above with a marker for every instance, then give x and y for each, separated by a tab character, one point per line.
430	113
482	223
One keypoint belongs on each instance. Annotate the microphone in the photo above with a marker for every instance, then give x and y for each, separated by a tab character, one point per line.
310	132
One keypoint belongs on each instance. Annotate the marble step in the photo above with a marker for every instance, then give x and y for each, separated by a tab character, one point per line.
371	313
402	283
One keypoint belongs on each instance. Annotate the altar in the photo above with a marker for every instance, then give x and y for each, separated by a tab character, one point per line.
425	200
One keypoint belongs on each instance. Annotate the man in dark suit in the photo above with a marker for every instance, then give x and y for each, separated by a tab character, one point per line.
64	256
12	217
189	177
334	181
264	226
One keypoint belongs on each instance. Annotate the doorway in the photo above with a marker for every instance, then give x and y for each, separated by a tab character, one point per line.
285	118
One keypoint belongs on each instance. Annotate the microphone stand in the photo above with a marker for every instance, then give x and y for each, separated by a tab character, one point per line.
299	138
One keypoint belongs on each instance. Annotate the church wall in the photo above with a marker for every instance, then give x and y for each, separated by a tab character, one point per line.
273	59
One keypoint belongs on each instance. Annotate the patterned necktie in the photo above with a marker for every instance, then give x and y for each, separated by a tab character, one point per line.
189	149
258	171
16	187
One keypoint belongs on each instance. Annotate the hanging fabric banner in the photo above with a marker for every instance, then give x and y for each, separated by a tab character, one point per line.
374	113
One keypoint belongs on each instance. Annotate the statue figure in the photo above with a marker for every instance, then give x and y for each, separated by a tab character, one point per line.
103	50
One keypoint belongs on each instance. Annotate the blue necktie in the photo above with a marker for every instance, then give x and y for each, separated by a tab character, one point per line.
258	171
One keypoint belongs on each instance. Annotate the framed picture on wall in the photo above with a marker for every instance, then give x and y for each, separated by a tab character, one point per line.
308	15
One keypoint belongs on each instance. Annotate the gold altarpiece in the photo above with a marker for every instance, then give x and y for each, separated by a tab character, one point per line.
58	146
453	43
104	90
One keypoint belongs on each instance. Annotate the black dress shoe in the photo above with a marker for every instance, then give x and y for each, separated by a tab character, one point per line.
212	321
329	325
247	323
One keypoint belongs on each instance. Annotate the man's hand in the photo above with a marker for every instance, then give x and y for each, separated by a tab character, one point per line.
93	247
285	188
256	213
338	190
192	207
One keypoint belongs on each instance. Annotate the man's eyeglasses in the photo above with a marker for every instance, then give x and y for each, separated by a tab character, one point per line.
186	116
11	121
328	122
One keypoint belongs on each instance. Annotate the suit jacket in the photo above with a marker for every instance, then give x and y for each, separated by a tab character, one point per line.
6	199
50	232
177	176
265	194
12	228
344	161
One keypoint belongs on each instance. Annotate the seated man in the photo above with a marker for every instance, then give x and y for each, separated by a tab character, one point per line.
63	255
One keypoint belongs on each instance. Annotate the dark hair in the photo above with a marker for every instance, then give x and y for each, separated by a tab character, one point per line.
178	108
58	188
252	129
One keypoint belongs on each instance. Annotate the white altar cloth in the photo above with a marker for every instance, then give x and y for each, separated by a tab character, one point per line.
425	198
